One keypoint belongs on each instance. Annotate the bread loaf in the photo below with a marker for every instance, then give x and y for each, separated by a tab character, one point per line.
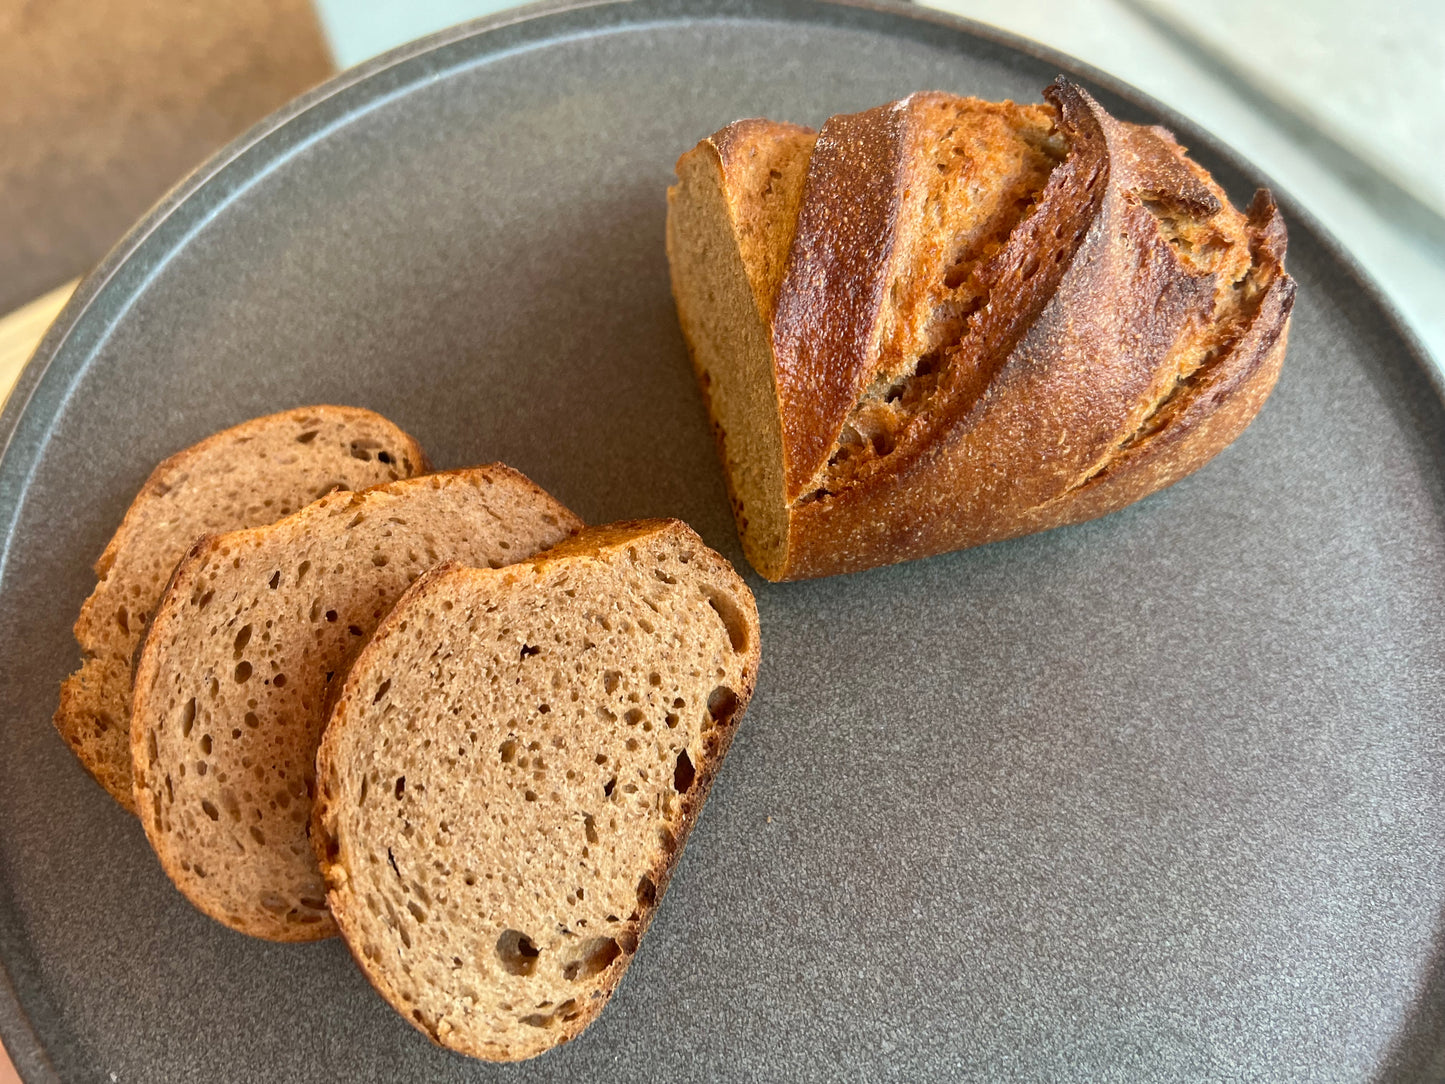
944	322
254	632
512	769
246	476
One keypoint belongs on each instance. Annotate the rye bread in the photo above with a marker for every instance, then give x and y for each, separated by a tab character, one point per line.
945	322
512	770
255	631
245	476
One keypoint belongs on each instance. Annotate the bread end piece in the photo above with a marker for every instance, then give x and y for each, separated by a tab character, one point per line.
513	769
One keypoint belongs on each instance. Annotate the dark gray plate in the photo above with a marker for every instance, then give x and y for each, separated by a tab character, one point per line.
1159	797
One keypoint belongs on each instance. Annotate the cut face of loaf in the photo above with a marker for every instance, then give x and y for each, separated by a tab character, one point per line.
254	634
246	476
513	768
945	322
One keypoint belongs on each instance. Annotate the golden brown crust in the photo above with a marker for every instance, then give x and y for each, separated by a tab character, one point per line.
592	542
1127	328
824	326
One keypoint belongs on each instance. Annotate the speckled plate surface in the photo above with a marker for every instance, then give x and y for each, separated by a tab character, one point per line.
1161	797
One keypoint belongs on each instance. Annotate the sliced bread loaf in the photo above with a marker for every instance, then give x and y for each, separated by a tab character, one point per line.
512	769
945	322
246	476
254	631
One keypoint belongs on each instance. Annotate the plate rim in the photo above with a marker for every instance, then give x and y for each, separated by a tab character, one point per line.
549	22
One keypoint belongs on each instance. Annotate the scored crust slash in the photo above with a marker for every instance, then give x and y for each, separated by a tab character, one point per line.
945	322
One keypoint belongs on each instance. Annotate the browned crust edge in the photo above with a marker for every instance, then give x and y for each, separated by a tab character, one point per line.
589	543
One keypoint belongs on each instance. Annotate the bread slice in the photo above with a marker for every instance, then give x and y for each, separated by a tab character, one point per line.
512	770
245	476
944	322
255	630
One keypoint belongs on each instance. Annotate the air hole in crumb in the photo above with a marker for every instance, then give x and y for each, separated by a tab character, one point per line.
275	580
663	576
400	785
509	750
331	616
589	827
188	717
646	891
242	639
607	787
243	671
672	720
632	716
684	774
530	795
379	560
279	681
721	703
210	810
593	957
528	651
517	952
307	437
610	680
206	744
732	619
258	835
537	1020
381	691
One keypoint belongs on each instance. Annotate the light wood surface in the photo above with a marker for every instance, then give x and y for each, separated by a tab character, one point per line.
20	333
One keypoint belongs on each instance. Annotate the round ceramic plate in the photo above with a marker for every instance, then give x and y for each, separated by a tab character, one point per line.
1160	797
